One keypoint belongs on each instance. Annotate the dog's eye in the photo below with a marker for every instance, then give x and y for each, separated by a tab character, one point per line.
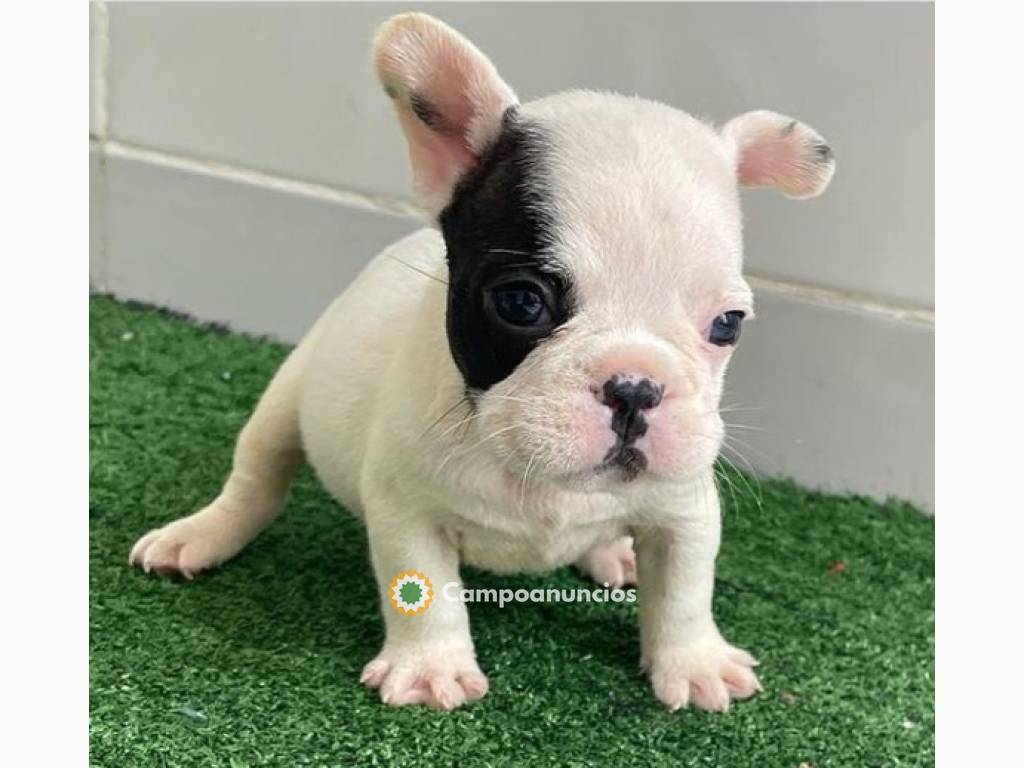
520	304
725	329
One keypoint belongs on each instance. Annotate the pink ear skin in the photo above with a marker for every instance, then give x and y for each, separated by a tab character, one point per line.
449	98
773	150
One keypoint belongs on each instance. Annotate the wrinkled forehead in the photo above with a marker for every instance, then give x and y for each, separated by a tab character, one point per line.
632	202
643	199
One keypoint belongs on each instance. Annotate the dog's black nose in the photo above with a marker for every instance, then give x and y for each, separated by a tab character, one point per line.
628	398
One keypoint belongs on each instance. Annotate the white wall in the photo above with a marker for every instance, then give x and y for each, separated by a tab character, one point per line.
245	165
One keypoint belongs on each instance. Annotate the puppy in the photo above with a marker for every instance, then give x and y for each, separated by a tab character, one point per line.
535	382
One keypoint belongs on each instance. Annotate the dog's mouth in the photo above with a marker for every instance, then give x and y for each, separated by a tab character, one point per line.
628	460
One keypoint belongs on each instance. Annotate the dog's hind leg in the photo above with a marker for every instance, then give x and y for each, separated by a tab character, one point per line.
267	455
611	564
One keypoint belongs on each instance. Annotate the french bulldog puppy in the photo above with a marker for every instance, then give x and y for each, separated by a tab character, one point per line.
536	381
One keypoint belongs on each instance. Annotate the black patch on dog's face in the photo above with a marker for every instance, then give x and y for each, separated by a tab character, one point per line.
496	229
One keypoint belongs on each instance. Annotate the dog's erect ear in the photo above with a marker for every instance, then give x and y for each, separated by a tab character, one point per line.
773	150
449	97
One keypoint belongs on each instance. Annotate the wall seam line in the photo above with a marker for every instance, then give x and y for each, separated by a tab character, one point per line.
835	299
385	204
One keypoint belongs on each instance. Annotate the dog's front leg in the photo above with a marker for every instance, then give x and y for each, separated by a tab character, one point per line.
428	656
682	650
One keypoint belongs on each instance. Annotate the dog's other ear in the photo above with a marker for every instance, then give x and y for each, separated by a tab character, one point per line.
449	97
772	150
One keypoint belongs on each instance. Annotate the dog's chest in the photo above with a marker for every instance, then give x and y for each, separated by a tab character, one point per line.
503	553
510	543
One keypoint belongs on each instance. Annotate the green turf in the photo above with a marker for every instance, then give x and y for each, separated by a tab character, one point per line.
257	664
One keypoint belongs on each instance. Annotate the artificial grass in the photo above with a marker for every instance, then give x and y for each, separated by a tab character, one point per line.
258	663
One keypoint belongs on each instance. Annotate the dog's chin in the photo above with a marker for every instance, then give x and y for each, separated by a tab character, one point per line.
621	473
608	467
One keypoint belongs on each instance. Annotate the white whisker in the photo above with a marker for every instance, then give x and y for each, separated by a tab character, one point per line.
414	268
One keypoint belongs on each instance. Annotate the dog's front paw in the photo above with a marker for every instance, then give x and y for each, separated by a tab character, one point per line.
188	546
442	678
707	673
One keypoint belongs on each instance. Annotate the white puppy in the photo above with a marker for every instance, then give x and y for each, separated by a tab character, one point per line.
538	382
